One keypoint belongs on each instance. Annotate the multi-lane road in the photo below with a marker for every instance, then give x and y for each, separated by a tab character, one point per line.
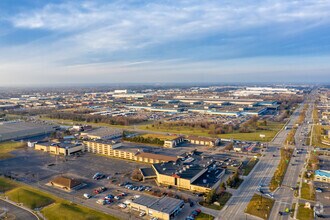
261	175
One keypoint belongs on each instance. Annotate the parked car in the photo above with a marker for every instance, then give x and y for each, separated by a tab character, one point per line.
142	214
319	190
87	196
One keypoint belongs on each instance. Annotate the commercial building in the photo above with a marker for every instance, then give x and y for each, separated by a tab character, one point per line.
119	150
171	143
59	148
322	176
102	133
164	208
189	173
65	183
203	141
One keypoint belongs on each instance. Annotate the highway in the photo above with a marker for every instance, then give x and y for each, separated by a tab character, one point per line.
261	174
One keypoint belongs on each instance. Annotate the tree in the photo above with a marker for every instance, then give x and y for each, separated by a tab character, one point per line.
210	197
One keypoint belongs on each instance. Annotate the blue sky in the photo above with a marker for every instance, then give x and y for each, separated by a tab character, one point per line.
103	41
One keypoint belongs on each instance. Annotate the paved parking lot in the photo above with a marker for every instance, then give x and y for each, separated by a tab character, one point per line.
324	197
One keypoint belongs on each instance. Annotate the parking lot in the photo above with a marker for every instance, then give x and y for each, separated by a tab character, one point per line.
38	168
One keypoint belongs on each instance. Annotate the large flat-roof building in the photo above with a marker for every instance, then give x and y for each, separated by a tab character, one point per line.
14	130
322	176
164	208
102	133
122	151
59	148
190	173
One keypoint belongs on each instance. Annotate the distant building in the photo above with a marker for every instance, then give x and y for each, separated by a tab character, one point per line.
164	208
203	141
174	142
102	133
59	148
322	176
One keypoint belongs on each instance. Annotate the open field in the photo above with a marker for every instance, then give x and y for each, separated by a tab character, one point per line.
6	185
7	147
159	136
307	192
318	137
222	200
260	206
303	213
272	129
30	198
59	211
53	208
204	216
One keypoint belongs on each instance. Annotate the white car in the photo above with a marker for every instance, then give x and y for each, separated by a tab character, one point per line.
142	214
122	205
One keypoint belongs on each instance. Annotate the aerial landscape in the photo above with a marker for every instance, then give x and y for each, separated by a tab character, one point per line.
162	110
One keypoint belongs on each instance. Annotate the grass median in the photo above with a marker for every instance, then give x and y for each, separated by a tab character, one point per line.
304	213
260	206
204	216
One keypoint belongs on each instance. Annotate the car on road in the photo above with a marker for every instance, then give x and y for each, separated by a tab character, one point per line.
319	190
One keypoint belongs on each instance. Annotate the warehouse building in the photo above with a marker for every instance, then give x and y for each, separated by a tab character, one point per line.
164	208
102	133
203	141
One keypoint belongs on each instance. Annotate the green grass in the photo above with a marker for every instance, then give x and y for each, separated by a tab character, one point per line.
281	169
54	208
204	216
221	199
317	136
7	147
6	185
260	206
30	198
303	213
272	129
249	166
65	211
307	192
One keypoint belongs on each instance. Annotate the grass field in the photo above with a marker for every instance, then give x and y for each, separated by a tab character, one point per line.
30	198
272	129
159	136
6	185
54	208
307	192
304	214
64	211
222	200
317	136
249	166
7	147
204	216
260	206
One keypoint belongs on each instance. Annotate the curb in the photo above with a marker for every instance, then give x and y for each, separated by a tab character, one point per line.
22	207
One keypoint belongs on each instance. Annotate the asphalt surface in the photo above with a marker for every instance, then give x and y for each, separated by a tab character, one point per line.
18	212
260	175
284	196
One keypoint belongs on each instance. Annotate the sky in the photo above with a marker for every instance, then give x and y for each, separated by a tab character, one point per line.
104	41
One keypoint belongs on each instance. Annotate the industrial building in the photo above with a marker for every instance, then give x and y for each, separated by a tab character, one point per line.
102	133
171	143
203	141
14	130
59	148
190	173
164	208
119	150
